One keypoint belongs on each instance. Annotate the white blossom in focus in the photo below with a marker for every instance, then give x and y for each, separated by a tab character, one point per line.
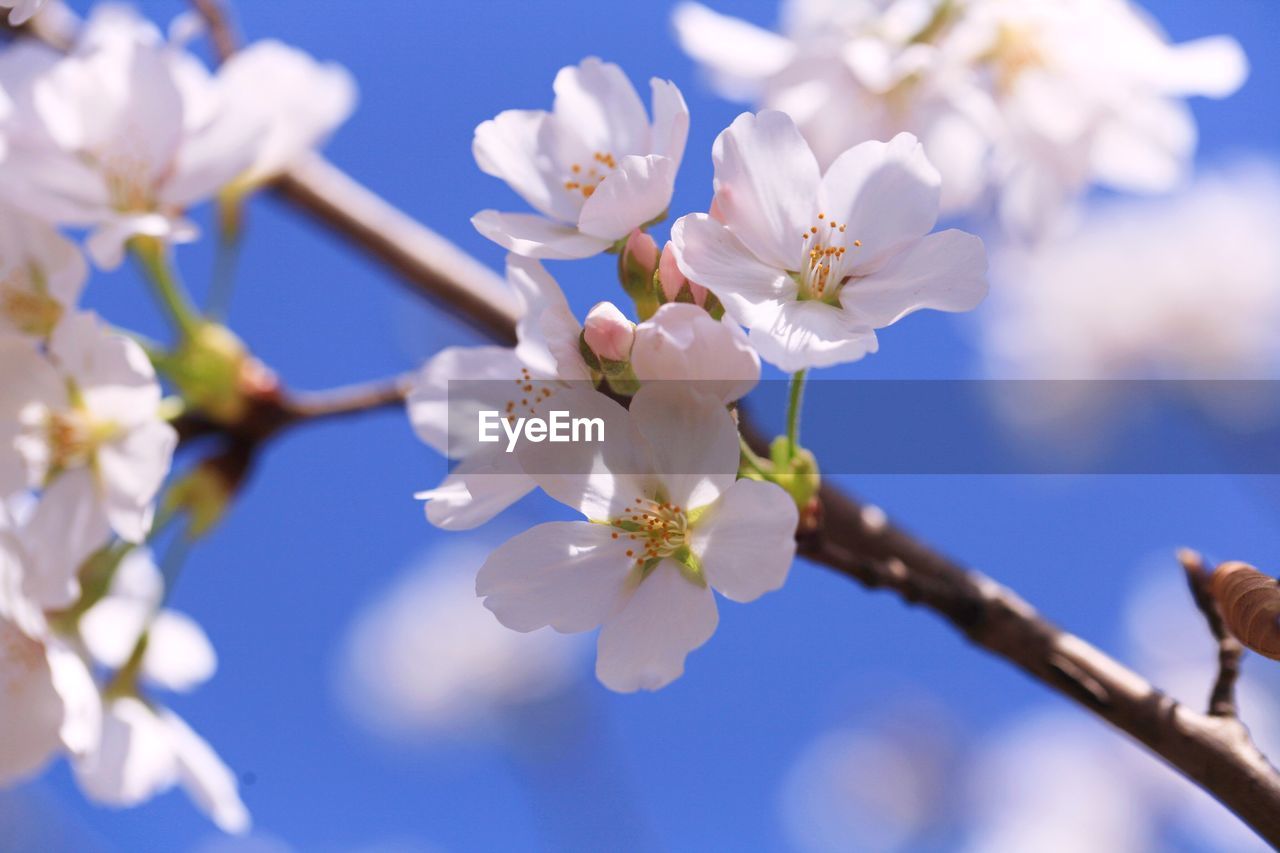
41	275
1184	288
121	135
298	102
426	658
595	168
1034	100
668	523
812	263
21	11
82	423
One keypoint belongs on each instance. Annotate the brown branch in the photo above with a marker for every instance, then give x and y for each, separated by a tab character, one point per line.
1222	699
857	541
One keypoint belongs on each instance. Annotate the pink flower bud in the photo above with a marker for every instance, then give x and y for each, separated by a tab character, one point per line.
642	250
608	332
672	280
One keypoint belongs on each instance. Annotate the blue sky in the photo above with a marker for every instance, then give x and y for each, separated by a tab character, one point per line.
328	520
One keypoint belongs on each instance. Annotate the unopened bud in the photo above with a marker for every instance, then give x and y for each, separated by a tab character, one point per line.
637	267
609	333
675	287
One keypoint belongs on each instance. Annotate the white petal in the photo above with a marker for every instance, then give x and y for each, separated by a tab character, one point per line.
885	193
598	101
1149	150
535	237
670	121
638	191
946	271
81	702
33	710
682	342
476	490
711	255
114	375
510	146
208	781
134	760
746	540
451	430
567	574
766	186
1215	67
132	470
597	478
739	55
644	645
811	334
547	332
67	526
111	629
692	438
179	656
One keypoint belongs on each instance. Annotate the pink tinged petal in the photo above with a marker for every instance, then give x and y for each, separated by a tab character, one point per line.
637	192
81	702
670	121
509	147
33	709
693	441
547	332
746	540
134	760
811	334
739	56
570	575
179	656
451	429
683	342
476	490
608	332
210	784
673	280
533	236
598	101
884	193
131	471
709	253
67	526
766	187
643	646
598	478
946	271
1214	67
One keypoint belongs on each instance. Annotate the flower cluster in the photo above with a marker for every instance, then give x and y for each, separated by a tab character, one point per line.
120	136
1027	100
676	503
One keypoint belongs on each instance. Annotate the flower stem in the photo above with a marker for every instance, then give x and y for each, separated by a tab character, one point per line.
169	292
793	413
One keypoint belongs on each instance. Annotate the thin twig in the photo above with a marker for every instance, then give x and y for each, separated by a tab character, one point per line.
857	541
1222	700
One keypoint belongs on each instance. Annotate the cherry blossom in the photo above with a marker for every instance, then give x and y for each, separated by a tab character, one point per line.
812	263
298	102
41	275
667	524
83	424
594	168
121	135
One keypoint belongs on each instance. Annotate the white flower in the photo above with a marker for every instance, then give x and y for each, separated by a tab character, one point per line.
50	700
178	653
667	524
145	751
298	102
121	135
813	263
84	425
41	275
595	168
1183	288
682	343
21	11
426	658
1036	99
487	480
